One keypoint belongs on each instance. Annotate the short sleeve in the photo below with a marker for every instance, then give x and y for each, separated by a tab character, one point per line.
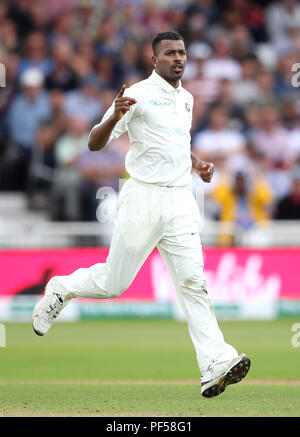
122	125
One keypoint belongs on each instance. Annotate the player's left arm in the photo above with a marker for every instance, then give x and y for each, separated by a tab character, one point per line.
204	169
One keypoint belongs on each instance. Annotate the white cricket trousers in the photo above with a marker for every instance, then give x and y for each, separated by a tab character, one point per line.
151	216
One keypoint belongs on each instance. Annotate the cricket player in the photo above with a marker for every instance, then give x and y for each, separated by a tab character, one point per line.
155	209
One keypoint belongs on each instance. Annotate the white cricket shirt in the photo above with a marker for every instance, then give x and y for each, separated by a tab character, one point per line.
158	127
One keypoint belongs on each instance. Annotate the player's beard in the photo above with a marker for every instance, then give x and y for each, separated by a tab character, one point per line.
173	76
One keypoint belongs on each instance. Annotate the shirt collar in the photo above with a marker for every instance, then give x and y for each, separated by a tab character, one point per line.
163	83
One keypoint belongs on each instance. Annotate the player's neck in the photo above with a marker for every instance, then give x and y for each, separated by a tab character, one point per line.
174	84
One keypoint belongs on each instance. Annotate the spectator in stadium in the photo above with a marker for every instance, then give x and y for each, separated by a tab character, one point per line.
62	76
39	13
62	27
243	203
84	101
280	16
36	54
252	119
9	92
83	61
266	87
85	18
177	18
129	60
58	7
145	64
20	12
208	8
283	75
218	138
246	90
199	117
289	114
204	87
85	50
105	169
109	41
242	44
155	19
252	15
272	139
295	138
106	72
3	12
196	28
225	100
277	178
293	32
30	107
70	145
288	207
65	198
8	37
129	16
229	19
222	65
42	167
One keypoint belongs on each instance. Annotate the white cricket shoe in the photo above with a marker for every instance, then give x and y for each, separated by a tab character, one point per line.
221	374
46	311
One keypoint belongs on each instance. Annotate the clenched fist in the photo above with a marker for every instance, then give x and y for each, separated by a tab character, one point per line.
205	170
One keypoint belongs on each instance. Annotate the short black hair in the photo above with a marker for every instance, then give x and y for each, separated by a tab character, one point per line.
172	34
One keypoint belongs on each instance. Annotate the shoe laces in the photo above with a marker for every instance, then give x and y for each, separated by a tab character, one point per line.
209	370
54	308
211	366
214	368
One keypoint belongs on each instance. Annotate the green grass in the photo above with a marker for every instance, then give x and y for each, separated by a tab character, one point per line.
147	400
110	351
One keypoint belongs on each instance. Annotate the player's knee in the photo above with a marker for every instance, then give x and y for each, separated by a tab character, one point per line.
195	281
190	278
115	290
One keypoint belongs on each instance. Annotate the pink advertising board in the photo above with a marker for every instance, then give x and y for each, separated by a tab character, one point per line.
232	274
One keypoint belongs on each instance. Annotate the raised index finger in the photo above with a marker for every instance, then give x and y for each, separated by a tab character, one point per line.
122	91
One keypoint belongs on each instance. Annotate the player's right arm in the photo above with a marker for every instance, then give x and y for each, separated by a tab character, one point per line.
100	133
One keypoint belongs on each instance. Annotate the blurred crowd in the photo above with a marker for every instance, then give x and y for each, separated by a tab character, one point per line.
65	60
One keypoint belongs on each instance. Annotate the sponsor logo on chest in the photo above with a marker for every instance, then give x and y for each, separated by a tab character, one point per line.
159	103
167	104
